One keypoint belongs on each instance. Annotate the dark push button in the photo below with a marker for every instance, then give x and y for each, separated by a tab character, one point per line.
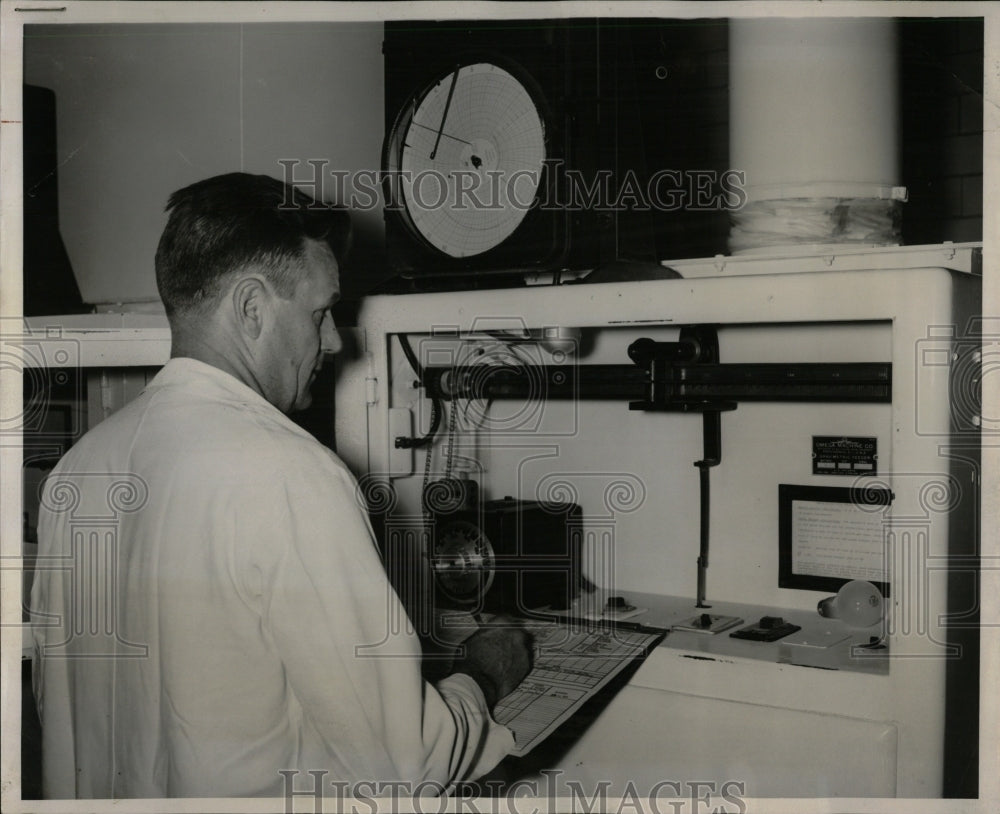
770	622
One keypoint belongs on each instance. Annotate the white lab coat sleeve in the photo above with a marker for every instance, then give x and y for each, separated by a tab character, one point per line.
52	689
351	657
463	695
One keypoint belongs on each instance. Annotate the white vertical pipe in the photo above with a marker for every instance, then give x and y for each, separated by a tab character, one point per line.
813	108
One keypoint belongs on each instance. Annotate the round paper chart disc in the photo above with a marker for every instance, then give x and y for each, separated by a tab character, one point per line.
472	160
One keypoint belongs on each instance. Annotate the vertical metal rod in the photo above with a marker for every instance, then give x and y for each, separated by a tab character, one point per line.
712	447
703	470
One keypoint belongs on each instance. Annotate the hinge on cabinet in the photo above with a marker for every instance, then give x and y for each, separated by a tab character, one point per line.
371	394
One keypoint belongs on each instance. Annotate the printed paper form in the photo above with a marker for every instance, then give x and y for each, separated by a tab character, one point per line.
571	664
837	540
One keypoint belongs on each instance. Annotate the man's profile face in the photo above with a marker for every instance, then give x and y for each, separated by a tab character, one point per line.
303	331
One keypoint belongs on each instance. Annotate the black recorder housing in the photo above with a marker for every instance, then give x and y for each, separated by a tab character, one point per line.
537	554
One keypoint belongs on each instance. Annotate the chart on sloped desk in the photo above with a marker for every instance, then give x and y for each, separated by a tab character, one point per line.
571	664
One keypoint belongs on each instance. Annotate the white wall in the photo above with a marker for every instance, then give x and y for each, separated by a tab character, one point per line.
143	110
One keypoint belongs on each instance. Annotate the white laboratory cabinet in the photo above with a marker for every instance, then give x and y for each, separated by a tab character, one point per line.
817	715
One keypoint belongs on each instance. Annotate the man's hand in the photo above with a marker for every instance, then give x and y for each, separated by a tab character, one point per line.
497	657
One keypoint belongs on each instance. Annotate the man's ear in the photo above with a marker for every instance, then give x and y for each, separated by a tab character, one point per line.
249	302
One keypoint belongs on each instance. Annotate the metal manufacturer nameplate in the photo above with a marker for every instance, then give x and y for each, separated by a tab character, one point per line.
843	455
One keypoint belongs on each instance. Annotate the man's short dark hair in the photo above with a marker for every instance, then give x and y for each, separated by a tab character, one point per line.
234	222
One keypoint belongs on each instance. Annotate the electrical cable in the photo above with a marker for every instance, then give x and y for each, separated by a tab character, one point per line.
508	355
452	427
403	442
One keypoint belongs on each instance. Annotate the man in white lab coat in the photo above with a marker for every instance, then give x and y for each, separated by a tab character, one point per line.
211	616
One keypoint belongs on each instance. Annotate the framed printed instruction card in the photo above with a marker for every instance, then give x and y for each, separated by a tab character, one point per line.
830	535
